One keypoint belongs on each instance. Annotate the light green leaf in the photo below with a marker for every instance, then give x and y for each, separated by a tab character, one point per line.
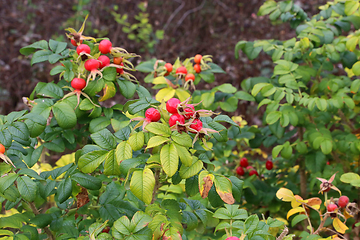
123	151
136	140
158	129
64	115
142	185
156	141
169	159
187	172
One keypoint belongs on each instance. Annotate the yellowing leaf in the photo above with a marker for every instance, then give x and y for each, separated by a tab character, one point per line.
285	195
65	160
109	91
159	80
182	94
339	225
206	180
165	94
297	201
295	210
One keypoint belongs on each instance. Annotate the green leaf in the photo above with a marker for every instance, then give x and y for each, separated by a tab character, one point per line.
273	117
256	89
27	188
40	56
187	172
41	220
237	187
230	212
242	95
214	68
326	146
356	68
104	139
182	139
224	189
208	99
251	51
147	66
136	140
230	105
142	185
139	221
226	88
127	88
225	118
251	223
123	151
169	159
57	47
64	190
298	219
267	7
111	167
347	177
98	124
158	129
42	44
109	91
64	115
185	156
109	74
87	181
90	161
156	141
351	7
7	181
207	76
321	104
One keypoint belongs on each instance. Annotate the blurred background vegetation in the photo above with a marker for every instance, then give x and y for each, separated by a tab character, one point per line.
162	29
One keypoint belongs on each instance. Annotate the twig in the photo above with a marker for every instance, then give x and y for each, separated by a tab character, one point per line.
321	224
283	234
174	14
189	12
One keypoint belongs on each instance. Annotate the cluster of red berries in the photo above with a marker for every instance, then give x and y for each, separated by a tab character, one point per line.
172	106
342	202
244	163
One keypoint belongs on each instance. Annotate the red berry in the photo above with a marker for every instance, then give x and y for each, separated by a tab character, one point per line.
269	165
197	68
78	83
117	60
189	77
343	201
106	230
120	70
91	64
190	111
176	118
181	70
152	114
331	207
252	172
328	163
105	46
168	67
197	58
249	167
83	48
232	238
74	43
240	171
244	162
171	105
2	149
197	125
104	61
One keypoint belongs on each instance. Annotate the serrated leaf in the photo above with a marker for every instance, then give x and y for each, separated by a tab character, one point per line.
285	195
90	161
182	139
27	188
156	141
87	181
158	129
142	184
184	155
64	115
187	172
136	140
224	189
169	159
123	151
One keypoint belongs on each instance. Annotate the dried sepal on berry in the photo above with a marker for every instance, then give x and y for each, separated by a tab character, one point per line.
6	159
77	35
78	93
326	185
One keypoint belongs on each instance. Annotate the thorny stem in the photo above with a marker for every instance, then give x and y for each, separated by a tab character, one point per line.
343	118
311	228
36	212
321	224
283	234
